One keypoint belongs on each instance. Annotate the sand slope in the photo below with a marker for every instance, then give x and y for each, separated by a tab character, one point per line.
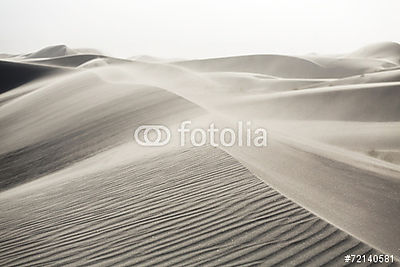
347	102
14	74
291	67
186	207
76	129
389	51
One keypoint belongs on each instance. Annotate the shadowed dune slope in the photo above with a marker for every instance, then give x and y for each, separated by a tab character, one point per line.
14	74
187	207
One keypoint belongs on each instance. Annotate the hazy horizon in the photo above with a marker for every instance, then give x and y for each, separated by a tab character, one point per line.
197	29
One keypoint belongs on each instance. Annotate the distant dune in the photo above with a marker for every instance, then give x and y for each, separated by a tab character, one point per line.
338	103
52	51
386	51
60	51
390	75
77	190
67	61
275	65
366	60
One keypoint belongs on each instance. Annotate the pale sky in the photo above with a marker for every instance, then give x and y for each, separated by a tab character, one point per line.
198	29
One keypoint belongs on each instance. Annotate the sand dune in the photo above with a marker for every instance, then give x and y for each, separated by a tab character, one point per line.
60	51
348	102
275	65
76	190
186	207
387	51
81	60
15	74
241	82
67	61
391	75
292	67
52	51
82	127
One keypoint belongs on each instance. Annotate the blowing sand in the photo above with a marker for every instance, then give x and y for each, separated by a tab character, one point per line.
77	190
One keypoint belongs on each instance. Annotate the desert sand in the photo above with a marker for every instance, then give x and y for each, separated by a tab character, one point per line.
76	189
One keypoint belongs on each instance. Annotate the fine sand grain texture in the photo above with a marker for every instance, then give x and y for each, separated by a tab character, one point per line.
77	190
